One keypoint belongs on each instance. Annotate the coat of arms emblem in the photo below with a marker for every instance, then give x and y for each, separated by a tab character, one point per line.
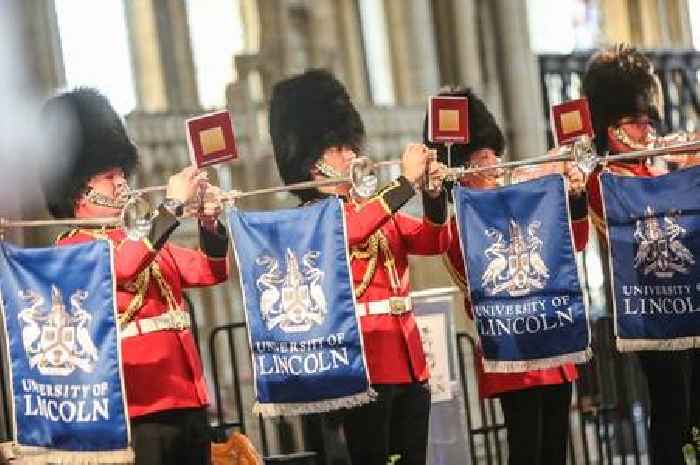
516	267
294	300
660	250
56	342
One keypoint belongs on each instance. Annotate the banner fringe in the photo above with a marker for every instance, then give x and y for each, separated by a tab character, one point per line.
303	408
519	366
29	455
678	343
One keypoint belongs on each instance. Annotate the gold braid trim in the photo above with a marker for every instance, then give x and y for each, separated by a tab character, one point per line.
142	280
95	233
359	205
389	263
141	284
165	289
371	253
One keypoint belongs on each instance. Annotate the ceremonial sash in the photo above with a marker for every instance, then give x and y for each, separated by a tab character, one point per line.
59	310
653	230
522	278
304	335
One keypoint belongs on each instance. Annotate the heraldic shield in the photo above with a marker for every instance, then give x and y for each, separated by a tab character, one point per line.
59	310
64	341
522	276
302	303
653	230
300	311
515	267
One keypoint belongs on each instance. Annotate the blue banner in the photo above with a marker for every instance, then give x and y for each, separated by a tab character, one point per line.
59	311
521	271
653	229
304	335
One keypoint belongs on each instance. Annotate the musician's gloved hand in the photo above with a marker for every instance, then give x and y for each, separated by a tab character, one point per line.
436	173
577	181
209	208
184	186
413	163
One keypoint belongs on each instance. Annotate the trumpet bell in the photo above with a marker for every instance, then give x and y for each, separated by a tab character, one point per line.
584	156
136	217
363	176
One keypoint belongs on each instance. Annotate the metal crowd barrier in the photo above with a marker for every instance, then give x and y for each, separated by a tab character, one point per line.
224	425
608	417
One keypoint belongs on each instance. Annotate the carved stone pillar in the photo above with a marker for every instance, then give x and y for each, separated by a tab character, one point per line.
161	55
31	69
41	46
467	42
413	50
475	51
351	53
615	21
647	23
520	80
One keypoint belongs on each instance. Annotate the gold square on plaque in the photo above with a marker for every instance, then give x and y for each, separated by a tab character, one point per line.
448	120
212	140
571	122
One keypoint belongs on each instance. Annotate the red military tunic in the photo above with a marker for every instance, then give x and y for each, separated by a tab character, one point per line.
492	384
162	369
380	242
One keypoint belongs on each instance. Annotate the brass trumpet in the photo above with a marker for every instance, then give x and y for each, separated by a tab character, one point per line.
363	179
581	153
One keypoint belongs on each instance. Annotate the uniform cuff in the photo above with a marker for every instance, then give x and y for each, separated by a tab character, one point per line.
214	243
162	227
397	194
435	209
578	205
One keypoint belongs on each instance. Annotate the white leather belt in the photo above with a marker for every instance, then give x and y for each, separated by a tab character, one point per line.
390	306
173	319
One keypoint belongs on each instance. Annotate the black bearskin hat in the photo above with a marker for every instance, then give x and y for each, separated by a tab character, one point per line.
94	139
483	130
310	113
619	82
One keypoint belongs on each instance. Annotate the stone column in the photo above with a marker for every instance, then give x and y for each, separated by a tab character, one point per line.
423	52
31	69
679	28
251	24
475	50
161	53
520	80
399	49
282	52
41	45
666	24
647	23
412	49
447	49
615	21
350	61
467	43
